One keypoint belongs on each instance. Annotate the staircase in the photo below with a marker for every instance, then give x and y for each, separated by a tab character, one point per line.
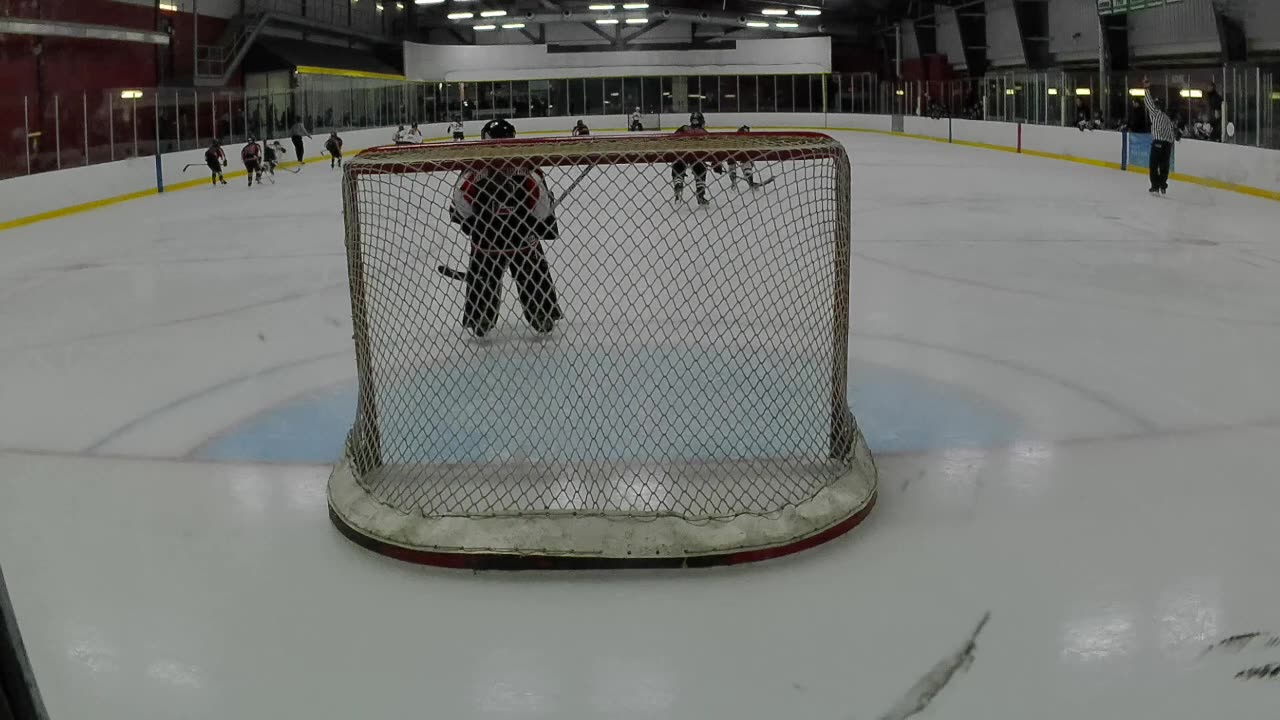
215	64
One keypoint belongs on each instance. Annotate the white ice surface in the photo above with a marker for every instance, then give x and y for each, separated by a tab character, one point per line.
1129	526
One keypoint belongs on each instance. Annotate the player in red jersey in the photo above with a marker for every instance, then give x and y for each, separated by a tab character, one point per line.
251	156
697	126
334	145
216	160
506	215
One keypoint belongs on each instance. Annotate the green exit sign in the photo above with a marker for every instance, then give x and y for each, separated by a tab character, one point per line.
1116	7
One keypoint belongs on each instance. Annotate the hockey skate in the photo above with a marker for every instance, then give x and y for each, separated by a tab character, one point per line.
543	325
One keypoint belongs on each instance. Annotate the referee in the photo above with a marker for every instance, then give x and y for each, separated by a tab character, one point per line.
1163	136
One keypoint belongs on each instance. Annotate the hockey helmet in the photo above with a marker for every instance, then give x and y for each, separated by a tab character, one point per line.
500	129
744	129
696	119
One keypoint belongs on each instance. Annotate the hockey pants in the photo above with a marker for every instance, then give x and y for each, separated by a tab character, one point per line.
532	275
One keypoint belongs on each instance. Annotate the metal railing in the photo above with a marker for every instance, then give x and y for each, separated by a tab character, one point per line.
42	133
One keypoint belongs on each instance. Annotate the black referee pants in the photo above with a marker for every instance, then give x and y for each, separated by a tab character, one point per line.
1161	154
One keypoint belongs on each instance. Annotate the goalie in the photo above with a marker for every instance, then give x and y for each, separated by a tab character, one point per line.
506	214
696	126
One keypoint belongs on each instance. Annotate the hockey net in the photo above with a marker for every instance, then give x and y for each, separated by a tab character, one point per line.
689	407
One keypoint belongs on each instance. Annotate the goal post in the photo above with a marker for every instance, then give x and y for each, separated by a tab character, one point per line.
687	407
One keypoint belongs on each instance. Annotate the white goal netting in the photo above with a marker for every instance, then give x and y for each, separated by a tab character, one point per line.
564	360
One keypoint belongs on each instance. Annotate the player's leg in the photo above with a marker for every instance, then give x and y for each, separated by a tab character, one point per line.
677	178
700	182
733	173
297	146
749	173
484	291
1153	168
1166	159
532	275
216	169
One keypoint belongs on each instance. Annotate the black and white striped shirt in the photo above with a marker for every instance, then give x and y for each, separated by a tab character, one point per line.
1162	127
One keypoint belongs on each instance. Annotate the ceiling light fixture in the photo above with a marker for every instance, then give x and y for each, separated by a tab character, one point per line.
484	27
786	25
607	21
774	11
600	7
808	12
492	13
513	26
757	23
637	21
635	6
461	16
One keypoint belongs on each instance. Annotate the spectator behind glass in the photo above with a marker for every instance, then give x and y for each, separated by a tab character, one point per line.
1215	111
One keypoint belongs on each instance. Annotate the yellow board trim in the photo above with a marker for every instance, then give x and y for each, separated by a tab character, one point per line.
315	70
1189	179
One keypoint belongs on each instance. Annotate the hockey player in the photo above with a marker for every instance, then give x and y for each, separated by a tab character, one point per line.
414	135
251	156
506	215
699	167
748	168
486	132
636	124
696	120
399	137
216	160
274	153
334	145
455	128
581	130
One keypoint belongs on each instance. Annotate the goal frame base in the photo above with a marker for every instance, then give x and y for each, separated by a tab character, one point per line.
366	522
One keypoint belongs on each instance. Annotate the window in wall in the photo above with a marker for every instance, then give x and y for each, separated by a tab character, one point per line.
630	95
595	96
666	103
709	93
576	102
817	103
729	93
650	100
557	97
786	95
748	100
520	98
766	88
693	99
613	100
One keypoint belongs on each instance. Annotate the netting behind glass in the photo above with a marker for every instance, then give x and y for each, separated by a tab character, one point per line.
601	347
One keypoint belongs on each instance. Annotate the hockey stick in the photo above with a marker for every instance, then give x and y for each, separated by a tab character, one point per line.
451	273
190	165
560	200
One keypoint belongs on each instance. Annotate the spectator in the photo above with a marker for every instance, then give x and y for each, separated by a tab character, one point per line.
1215	111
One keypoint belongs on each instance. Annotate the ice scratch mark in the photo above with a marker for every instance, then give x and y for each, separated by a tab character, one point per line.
927	687
1253	643
1238	643
1270	671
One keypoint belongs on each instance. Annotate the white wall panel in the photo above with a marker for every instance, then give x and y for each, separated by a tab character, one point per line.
1261	24
910	45
1183	28
1073	30
1004	43
949	42
519	62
